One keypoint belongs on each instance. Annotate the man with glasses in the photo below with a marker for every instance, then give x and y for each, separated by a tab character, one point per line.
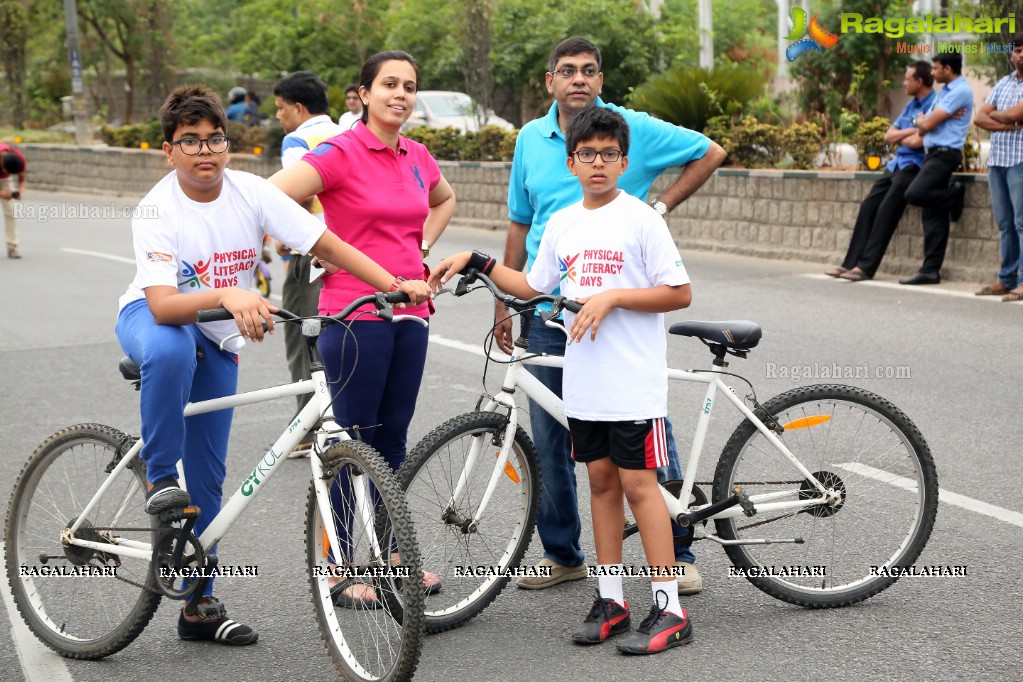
354	104
541	184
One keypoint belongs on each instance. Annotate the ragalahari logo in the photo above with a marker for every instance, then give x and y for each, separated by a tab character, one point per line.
816	37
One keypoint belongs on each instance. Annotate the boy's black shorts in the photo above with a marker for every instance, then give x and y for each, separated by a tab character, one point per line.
638	444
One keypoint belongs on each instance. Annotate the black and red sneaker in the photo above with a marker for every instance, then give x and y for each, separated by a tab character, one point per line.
606	617
660	630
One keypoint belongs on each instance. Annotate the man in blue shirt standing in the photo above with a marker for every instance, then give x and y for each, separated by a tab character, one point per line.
1002	114
541	184
884	205
945	127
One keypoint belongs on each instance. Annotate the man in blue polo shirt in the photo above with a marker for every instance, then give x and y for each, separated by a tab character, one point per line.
884	205
945	127
541	184
1002	114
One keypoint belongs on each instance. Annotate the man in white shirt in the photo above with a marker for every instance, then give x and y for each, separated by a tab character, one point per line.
301	100
354	104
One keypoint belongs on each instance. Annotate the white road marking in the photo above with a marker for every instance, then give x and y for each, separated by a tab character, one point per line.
457	345
954	499
925	289
128	261
97	254
38	662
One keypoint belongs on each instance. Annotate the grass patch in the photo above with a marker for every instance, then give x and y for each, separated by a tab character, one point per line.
36	136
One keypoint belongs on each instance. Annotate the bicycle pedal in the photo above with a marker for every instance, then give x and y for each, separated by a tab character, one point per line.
747	506
175	514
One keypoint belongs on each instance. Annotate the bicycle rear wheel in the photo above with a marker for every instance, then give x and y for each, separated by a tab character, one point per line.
471	562
884	486
380	561
80	616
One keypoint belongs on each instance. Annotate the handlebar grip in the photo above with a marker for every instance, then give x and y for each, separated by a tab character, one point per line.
213	315
397	297
572	306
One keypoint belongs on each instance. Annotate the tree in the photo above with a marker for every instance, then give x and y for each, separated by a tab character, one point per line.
13	39
117	28
830	81
996	9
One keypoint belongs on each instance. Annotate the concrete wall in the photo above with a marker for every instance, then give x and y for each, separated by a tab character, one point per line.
806	215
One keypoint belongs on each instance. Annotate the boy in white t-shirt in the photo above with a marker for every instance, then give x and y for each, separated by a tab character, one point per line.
614	254
200	252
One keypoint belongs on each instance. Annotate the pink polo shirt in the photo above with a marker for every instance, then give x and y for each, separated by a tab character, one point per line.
377	201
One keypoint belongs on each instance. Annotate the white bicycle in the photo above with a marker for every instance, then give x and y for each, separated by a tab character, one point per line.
77	510
832	480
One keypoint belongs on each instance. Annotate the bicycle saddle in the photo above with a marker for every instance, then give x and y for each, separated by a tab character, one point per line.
132	372
734	334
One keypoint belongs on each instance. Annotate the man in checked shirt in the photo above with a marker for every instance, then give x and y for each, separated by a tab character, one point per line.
1002	114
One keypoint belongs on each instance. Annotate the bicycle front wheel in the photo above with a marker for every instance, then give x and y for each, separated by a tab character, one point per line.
472	560
880	506
368	594
81	602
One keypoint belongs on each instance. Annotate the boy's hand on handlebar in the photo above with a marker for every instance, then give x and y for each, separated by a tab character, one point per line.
417	290
251	311
595	309
448	268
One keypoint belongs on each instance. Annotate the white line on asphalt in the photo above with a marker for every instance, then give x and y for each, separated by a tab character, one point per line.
457	345
955	499
38	662
97	254
925	289
122	259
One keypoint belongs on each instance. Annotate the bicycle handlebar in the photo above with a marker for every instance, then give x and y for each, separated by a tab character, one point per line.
380	299
557	302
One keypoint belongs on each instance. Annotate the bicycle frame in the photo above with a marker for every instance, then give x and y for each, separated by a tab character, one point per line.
517	378
316	410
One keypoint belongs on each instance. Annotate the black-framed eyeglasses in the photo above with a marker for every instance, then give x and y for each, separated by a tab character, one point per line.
590	155
191	146
571	71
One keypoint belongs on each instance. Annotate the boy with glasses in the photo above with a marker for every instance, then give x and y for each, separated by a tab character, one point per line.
539	185
615	376
200	252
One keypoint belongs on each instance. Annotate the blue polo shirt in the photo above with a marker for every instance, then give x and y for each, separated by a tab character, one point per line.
541	183
952	132
908	156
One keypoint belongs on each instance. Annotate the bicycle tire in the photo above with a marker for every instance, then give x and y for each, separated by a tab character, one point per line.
864	448
262	283
86	617
429	476
368	644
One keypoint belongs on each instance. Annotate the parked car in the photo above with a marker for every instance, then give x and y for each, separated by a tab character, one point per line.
449	109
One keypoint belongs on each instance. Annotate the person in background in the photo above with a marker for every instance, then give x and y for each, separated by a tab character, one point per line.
236	104
1002	114
354	104
301	100
882	208
12	165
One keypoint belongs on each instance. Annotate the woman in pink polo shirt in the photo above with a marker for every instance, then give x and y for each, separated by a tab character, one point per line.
383	194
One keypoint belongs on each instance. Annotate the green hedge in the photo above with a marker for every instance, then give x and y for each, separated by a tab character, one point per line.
491	143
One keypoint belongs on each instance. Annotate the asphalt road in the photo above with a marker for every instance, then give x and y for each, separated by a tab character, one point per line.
58	358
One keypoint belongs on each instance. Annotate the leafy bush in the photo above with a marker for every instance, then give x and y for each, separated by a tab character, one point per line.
491	143
869	140
754	144
803	142
133	135
690	97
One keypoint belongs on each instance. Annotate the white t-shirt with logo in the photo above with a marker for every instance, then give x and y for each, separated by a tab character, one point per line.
197	246
622	375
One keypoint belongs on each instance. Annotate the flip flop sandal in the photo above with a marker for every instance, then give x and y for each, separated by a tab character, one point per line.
992	290
836	271
855	276
431	581
337	593
1014	295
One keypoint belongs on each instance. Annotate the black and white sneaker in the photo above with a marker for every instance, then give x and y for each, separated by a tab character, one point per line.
166	494
214	625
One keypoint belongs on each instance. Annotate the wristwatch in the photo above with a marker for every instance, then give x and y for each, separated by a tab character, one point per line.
425	248
659	206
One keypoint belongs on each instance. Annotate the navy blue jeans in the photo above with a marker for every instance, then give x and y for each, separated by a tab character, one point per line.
557	521
374	371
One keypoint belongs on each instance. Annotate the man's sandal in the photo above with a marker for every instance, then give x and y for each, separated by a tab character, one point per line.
1013	296
837	271
996	289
